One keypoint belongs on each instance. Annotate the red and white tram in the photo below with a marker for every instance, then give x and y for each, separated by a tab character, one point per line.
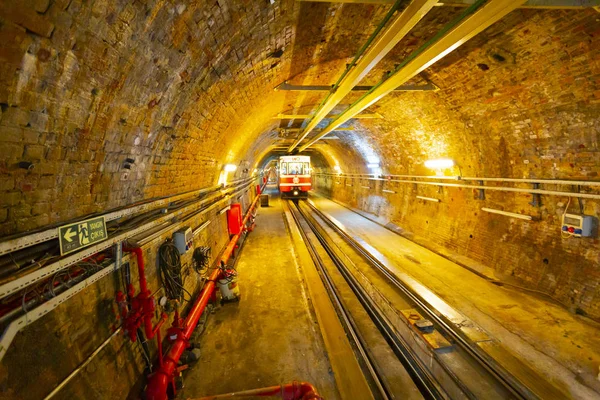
294	176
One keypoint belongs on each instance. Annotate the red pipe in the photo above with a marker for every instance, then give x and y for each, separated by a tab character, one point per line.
159	381
290	391
143	303
139	254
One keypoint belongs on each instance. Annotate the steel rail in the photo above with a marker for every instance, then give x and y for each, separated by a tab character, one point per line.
517	389
345	316
423	380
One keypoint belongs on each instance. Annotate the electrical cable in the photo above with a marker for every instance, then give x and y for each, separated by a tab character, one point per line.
201	259
562	234
171	272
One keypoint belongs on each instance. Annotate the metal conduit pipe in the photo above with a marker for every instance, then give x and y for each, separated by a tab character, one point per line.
159	381
497	188
82	365
501	189
513	180
290	391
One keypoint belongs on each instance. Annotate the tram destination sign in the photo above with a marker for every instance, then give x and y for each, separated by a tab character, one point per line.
81	234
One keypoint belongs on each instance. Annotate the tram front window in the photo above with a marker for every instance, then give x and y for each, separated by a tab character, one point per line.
297	168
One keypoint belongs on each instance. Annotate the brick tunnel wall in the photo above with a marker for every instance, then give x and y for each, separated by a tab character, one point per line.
184	87
85	85
522	100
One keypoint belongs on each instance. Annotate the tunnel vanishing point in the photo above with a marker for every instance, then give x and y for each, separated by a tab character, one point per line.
445	243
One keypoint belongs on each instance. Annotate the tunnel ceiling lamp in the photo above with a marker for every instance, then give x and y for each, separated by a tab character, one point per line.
373	160
229	168
458	32
440	163
379	44
373	165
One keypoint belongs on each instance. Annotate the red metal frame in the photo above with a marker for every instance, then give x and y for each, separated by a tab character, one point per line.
181	331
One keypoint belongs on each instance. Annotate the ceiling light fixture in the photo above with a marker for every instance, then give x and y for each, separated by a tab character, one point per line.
440	163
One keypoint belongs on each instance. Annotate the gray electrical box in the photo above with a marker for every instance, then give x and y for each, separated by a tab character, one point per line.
579	225
183	240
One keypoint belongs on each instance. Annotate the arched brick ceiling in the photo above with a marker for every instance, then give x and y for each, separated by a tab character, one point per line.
186	86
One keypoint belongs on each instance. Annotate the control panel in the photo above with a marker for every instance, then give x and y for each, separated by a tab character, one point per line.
183	240
578	225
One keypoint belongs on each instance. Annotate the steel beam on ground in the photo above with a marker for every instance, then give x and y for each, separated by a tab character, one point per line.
324	88
486	15
395	31
535	4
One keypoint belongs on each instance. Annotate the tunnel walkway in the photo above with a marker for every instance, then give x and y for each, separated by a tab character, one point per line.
561	346
270	337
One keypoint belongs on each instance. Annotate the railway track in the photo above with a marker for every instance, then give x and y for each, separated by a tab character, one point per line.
358	284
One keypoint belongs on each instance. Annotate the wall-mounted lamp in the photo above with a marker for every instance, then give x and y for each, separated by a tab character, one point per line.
229	167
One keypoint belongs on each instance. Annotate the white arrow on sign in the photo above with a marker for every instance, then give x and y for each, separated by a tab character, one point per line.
68	235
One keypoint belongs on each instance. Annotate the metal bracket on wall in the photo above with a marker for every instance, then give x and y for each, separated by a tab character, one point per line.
481	192
118	254
536	198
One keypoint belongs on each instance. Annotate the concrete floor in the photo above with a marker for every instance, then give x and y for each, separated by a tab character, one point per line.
271	336
561	346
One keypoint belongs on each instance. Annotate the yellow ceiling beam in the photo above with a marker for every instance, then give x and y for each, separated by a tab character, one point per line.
305	116
396	29
537	4
485	16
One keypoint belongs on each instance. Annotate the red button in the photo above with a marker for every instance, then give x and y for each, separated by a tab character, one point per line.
571	229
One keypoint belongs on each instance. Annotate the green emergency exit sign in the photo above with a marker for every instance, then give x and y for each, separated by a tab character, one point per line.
81	234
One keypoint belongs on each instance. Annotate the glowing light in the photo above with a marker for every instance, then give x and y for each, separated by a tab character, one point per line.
373	165
440	163
222	178
229	167
337	168
373	160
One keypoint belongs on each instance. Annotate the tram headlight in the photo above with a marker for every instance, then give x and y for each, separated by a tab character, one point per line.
295	193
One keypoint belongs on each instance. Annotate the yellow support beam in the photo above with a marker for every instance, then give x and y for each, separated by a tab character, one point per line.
532	4
386	41
488	14
305	116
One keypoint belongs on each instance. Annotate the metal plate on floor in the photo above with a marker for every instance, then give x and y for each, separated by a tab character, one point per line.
81	234
433	338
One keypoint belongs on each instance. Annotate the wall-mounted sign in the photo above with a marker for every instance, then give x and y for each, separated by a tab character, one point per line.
81	234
